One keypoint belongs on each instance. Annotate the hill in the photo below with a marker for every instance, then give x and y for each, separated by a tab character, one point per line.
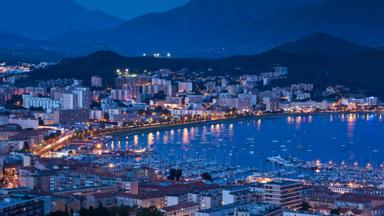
189	30
43	19
215	28
358	67
323	43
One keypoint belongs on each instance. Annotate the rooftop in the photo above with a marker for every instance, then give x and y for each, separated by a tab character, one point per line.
179	206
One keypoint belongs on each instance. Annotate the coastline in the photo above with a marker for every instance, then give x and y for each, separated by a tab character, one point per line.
133	131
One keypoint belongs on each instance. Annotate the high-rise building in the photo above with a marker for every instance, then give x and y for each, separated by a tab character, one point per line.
96	81
68	101
185	86
283	193
44	102
83	95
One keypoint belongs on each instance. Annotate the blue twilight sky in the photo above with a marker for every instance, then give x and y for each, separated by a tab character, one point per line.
127	9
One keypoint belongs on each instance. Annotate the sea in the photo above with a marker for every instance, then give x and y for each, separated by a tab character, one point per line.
355	138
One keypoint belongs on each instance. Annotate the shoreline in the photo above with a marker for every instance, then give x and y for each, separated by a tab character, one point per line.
133	131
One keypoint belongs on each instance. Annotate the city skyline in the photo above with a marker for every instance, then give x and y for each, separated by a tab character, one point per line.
205	108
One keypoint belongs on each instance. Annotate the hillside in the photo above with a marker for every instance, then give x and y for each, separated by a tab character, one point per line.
323	43
214	28
44	19
189	30
359	68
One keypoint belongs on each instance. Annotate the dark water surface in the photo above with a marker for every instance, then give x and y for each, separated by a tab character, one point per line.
338	137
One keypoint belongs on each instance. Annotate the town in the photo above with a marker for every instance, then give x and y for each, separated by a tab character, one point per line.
55	158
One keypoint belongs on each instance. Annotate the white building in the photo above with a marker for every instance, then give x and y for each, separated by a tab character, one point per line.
185	86
235	194
43	102
68	101
96	81
25	123
83	95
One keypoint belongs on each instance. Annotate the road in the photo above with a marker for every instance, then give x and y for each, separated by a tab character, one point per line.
60	143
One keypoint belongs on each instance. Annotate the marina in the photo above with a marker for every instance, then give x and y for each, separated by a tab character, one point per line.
336	138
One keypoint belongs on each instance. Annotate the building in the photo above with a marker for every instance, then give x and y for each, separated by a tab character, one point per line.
207	199
301	213
237	195
25	122
259	209
185	86
181	209
281	71
271	104
96	81
284	193
194	99
83	97
243	209
44	102
143	200
133	80
22	205
68	101
176	101
358	201
71	116
246	101
176	199
126	93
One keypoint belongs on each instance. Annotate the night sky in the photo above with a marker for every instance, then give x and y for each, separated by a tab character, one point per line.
127	9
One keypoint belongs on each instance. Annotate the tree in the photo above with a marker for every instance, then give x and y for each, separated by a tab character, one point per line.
206	176
121	210
16	102
335	211
151	211
160	96
305	206
175	174
26	147
100	211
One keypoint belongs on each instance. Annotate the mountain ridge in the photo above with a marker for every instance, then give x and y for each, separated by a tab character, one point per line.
213	28
44	19
359	69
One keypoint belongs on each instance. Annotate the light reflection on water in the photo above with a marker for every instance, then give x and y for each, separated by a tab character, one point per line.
336	137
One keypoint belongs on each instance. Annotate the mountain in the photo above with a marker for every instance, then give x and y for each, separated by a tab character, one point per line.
355	20
214	28
189	30
323	43
12	40
358	67
30	55
43	19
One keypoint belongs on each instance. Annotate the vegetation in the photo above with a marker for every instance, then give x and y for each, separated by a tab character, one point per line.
335	211
26	147
151	211
305	206
312	59
175	174
206	176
